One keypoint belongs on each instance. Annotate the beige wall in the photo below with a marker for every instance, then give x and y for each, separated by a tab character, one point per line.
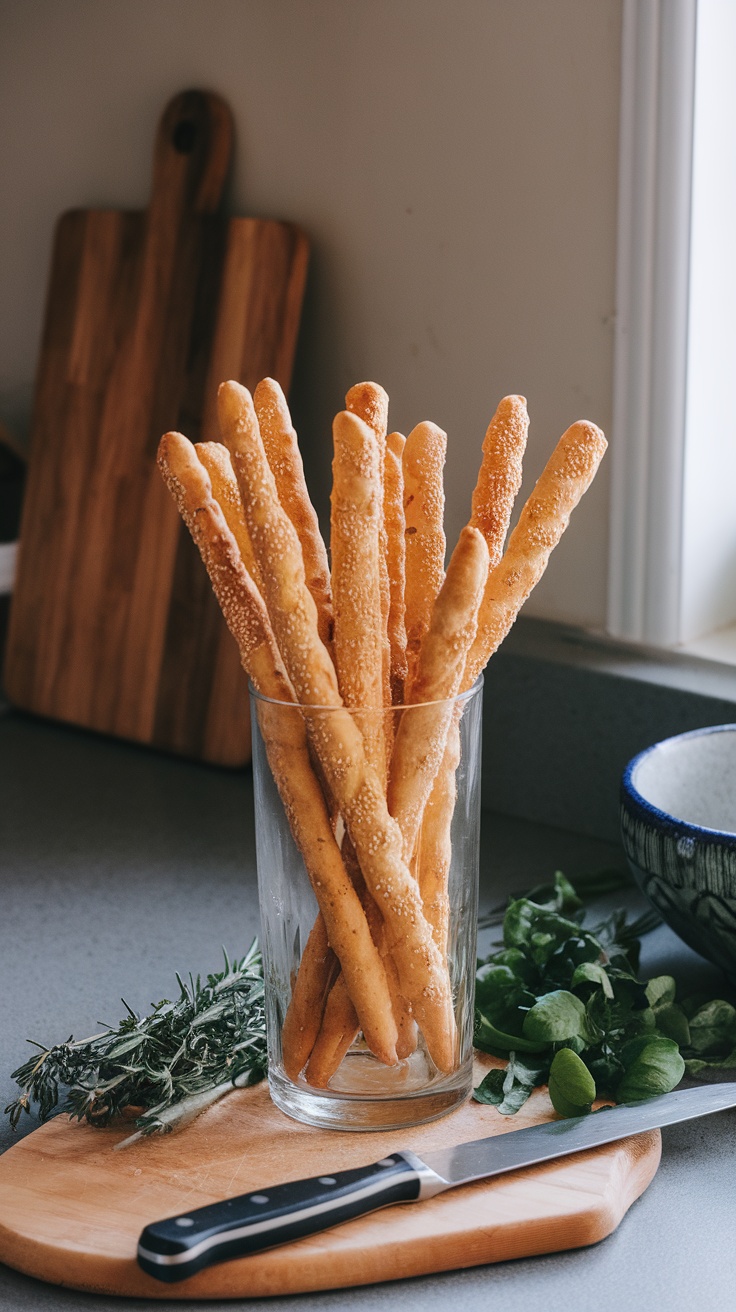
454	163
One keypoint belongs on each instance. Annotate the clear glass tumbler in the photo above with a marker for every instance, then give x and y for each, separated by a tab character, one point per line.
335	872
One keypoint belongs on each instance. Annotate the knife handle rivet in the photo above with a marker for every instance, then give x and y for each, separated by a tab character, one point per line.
327	1179
184	1221
386	1161
259	1198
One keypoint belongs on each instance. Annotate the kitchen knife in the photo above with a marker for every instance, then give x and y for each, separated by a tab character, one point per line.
175	1248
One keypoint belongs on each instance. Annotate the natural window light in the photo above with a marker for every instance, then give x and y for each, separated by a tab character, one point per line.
673	529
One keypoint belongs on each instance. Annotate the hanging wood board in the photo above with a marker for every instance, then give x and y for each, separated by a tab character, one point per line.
113	624
71	1209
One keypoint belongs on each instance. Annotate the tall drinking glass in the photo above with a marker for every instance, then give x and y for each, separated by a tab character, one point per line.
322	1068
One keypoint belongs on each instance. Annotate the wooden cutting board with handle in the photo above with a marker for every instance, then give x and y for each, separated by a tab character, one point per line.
72	1209
114	626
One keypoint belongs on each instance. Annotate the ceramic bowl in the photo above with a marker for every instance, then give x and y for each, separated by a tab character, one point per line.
678	824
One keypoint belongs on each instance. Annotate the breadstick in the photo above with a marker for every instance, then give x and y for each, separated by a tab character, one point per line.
393	518
370	403
435	841
216	459
497	486
422	732
339	1026
566	477
286	742
284	457
317	972
356	592
499	476
240	601
543	521
424	505
335	735
338	1031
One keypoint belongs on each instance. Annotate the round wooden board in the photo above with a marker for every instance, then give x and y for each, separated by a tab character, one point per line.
71	1209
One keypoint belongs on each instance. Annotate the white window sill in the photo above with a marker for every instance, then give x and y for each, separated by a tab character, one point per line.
719	646
706	667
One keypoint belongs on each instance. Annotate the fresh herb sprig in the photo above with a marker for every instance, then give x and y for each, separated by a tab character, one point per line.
563	1003
160	1069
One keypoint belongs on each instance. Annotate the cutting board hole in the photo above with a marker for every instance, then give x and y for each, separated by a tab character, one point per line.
185	134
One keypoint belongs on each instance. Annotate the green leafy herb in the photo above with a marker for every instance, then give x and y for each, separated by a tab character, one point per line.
563	1003
571	1085
162	1068
508	1090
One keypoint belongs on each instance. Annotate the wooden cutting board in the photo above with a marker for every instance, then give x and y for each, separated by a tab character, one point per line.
114	626
71	1209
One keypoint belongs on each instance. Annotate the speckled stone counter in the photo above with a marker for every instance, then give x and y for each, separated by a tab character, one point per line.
119	866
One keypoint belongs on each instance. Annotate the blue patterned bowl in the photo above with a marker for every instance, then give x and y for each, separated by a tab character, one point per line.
678	824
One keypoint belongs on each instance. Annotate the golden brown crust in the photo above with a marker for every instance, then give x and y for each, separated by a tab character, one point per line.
369	402
216	459
422	733
566	477
395	523
355	545
435	846
337	1032
239	598
499	476
283	455
424	507
317	972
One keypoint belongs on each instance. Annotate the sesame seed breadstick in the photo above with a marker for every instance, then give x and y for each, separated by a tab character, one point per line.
317	972
340	1026
284	457
216	459
356	593
499	476
241	603
334	734
435	843
422	733
511	578
424	506
395	523
337	1032
369	402
286	741
566	477
496	489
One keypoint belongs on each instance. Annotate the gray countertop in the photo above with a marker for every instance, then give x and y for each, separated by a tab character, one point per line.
119	866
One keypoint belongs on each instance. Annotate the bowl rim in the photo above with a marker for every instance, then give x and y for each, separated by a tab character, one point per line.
685	828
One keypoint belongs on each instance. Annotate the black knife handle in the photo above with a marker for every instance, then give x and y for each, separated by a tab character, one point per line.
173	1249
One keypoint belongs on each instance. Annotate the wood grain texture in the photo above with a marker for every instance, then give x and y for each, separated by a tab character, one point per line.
113	624
71	1209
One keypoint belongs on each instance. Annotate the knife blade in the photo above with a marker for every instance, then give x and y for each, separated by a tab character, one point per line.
175	1248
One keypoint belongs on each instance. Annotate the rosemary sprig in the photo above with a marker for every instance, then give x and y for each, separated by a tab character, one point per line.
160	1069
